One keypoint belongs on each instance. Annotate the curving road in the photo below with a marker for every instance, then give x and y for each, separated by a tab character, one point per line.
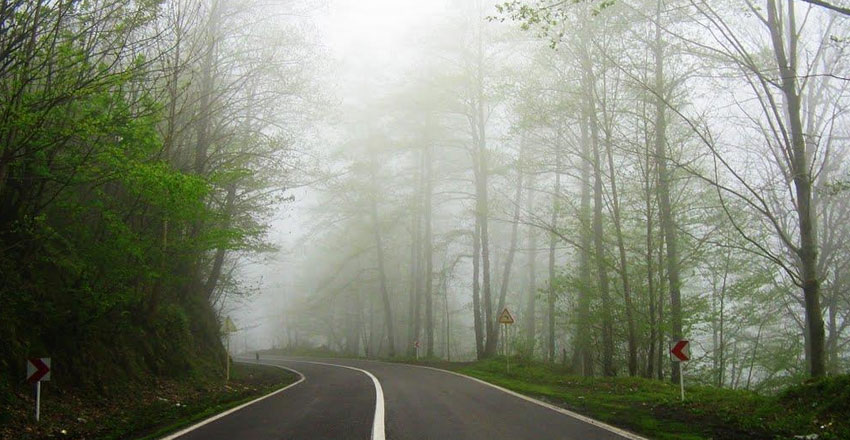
358	399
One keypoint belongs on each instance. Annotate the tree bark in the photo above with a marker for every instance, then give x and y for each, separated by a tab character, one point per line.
624	270
476	287
807	250
668	224
503	288
415	315
206	88
379	252
599	250
650	278
531	299
483	213
218	260
429	251
583	324
662	328
550	294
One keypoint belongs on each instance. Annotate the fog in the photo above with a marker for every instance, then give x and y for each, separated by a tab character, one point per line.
619	175
555	196
366	44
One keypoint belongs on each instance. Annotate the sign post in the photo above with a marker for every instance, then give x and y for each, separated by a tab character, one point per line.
681	353
229	328
38	370
506	319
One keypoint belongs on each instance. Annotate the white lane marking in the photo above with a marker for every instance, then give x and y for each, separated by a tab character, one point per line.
597	423
378	431
233	410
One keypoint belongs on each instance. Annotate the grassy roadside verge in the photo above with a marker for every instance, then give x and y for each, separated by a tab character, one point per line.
139	412
653	409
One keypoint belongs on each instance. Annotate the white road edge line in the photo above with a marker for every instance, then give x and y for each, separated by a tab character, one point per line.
233	410
378	430
605	426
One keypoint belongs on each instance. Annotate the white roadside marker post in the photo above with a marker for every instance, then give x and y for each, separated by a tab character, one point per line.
507	350
681	353
37	400
38	369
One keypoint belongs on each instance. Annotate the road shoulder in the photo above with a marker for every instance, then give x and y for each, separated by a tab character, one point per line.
205	417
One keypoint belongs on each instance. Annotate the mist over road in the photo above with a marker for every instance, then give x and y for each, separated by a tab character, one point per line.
337	402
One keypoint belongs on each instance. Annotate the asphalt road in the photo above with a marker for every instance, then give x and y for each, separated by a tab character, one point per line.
335	402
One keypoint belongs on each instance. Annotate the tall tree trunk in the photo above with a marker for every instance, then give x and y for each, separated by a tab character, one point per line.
531	299
721	364
479	131
834	332
429	251
206	89
550	294
755	352
382	274
650	270
583	324
509	261
483	213
662	328
220	253
668	224
414	261
599	249
589	80
476	288
807	250
416	280
624	270
173	85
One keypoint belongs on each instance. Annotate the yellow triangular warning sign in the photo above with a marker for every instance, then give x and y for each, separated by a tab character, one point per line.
229	326
505	317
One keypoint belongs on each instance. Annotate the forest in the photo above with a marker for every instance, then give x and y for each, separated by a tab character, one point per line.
143	146
619	174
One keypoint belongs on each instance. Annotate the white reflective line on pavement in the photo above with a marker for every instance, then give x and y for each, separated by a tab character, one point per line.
233	410
378	431
621	432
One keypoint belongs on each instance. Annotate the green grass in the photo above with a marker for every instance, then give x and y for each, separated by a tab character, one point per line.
171	420
653	408
142	411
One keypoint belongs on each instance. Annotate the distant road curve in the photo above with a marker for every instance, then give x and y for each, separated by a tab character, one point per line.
359	399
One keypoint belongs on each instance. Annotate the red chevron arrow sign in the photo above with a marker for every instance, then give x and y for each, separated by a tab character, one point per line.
680	351
38	369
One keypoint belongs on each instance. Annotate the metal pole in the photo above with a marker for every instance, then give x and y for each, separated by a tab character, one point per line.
682	381
507	353
227	359
37	400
